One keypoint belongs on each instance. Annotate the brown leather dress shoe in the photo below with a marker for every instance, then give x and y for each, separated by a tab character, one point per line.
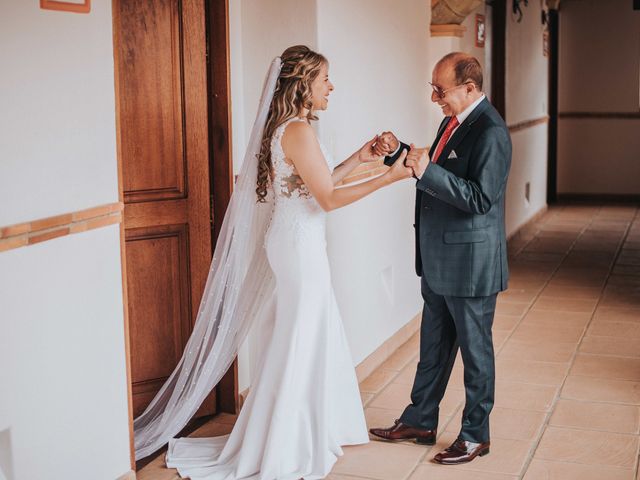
400	431
462	451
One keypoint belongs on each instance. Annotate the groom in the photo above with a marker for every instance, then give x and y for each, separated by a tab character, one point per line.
461	255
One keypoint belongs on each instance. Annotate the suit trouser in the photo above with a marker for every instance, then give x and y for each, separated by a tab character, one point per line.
449	323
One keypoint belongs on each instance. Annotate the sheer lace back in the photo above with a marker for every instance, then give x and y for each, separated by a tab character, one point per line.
286	180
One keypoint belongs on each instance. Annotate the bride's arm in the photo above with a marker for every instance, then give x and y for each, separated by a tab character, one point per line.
301	146
364	154
345	168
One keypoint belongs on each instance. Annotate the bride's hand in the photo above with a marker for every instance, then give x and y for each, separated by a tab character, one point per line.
367	152
398	170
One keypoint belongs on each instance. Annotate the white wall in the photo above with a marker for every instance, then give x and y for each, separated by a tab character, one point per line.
526	99
599	72
379	65
57	121
63	408
64	400
258	32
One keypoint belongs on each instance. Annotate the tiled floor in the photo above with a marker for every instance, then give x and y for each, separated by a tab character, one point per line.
567	340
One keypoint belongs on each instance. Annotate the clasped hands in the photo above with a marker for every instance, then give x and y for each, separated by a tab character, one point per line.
417	158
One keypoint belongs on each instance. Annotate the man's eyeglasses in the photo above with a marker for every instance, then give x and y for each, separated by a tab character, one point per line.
440	92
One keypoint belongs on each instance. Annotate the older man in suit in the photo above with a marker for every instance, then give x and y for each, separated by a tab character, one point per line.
461	255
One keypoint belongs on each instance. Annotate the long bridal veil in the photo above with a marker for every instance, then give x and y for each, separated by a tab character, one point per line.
238	293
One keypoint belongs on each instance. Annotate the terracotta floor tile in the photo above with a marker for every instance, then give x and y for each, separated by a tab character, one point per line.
511	308
401	357
505	322
499	337
621	329
452	401
601	366
524	396
157	470
457	377
565	304
433	471
549	317
617	314
407	375
397	396
588	447
366	398
380	417
546	333
621	299
626	270
538	351
546	470
565	291
506	457
603	258
226	418
378	460
621	347
508	423
577	281
628	259
601	390
394	396
622	281
577	272
522	295
525	283
596	416
556	246
213	429
544	257
526	371
337	476
377	380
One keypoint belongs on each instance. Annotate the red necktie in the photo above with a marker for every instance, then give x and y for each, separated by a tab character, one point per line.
453	123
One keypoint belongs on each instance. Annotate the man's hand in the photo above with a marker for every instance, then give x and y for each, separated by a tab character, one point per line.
398	170
418	160
387	143
367	152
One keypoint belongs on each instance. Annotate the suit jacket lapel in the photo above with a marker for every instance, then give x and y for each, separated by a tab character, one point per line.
460	133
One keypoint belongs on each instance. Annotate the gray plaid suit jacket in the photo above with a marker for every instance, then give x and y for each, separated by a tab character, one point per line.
461	245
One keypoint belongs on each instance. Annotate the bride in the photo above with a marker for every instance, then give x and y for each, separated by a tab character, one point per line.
270	268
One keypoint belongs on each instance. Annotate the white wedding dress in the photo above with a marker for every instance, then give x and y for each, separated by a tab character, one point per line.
304	402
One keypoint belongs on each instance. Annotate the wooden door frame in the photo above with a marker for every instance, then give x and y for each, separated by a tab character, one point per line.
221	178
123	257
220	159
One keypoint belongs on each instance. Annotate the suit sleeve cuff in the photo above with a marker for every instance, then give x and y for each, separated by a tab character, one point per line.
390	159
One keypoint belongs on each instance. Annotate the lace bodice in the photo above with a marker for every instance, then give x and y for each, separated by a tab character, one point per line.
295	210
287	183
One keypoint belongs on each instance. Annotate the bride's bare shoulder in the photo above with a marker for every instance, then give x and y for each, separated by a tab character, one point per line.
298	134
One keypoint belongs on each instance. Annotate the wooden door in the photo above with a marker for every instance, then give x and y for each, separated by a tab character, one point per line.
161	85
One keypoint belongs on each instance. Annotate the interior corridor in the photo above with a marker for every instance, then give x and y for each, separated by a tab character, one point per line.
567	342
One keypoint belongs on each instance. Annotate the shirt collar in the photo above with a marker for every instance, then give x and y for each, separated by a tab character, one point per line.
463	116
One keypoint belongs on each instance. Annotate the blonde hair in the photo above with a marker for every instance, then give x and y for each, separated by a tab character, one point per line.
300	67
